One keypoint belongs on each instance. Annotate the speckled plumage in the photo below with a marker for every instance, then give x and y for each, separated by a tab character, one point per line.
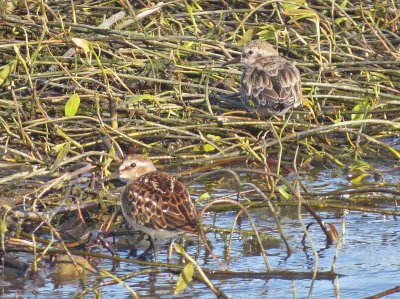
155	202
269	81
159	205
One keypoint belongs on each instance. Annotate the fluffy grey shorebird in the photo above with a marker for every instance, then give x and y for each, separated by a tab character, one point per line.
269	81
155	202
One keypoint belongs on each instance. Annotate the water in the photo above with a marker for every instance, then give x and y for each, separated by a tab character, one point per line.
367	261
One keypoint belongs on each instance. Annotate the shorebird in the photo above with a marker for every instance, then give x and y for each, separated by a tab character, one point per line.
269	82
155	202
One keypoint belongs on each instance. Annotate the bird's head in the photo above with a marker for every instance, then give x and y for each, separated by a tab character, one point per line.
257	50
132	167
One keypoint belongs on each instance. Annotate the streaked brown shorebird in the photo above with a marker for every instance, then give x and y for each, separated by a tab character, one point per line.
155	202
269	82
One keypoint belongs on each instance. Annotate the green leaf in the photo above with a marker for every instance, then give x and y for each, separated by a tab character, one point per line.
214	137
83	43
197	148
287	5
190	9
301	14
65	136
61	155
343	4
35	54
208	148
72	105
185	277
142	97
58	147
282	190
340	20
179	249
187	45
360	108
6	71
267	34
359	179
16	50
204	196
112	150
293	4
246	38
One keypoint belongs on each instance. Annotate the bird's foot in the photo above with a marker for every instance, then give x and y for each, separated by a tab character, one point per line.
132	253
145	256
94	237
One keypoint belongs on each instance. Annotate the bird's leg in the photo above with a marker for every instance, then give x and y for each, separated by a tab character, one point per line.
152	247
133	251
286	109
169	250
94	236
107	246
199	241
184	245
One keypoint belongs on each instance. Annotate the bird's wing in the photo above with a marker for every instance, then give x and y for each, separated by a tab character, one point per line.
159	201
272	82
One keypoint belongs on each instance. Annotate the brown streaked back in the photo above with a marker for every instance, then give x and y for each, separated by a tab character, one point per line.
158	201
269	81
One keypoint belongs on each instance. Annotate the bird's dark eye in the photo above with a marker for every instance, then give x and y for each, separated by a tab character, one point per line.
251	52
133	165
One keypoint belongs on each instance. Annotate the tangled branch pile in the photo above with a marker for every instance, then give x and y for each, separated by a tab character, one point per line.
76	88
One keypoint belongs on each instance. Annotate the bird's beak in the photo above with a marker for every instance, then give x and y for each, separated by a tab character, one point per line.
114	176
232	61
